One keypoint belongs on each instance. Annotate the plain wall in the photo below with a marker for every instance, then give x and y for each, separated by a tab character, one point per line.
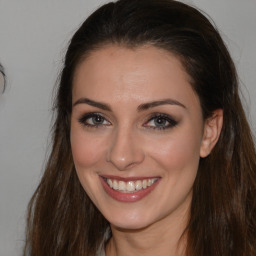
33	39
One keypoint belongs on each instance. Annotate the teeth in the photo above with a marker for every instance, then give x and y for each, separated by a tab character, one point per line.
115	185
130	186
138	185
122	185
144	183
110	183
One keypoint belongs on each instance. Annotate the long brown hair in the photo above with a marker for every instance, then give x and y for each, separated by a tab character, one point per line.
62	220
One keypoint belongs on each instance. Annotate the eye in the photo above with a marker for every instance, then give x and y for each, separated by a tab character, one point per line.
160	122
93	120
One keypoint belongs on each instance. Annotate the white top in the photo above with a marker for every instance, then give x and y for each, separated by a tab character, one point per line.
101	249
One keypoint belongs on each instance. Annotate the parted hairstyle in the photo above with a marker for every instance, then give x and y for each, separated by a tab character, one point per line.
62	220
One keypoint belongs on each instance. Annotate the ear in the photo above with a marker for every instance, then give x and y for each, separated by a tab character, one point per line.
212	129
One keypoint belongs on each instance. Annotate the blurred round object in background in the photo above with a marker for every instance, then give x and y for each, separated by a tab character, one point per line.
2	79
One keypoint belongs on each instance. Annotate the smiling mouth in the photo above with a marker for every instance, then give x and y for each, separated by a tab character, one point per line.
130	186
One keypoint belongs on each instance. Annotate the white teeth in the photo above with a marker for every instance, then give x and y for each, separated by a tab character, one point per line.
115	185
144	183
110	183
130	186
138	185
122	185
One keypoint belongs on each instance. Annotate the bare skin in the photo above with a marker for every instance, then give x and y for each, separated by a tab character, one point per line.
135	117
139	242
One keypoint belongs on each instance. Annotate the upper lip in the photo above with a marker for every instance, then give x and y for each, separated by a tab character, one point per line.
112	177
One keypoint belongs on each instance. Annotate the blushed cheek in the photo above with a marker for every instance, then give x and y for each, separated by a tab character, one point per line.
86	151
177	154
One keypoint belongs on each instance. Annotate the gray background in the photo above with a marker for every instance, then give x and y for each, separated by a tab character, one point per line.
33	39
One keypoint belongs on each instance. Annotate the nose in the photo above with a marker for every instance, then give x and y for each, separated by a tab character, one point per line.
125	150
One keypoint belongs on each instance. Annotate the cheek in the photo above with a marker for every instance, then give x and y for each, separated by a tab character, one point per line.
87	155
178	152
86	149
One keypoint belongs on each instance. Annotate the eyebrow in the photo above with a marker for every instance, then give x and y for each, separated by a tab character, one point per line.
140	108
93	103
153	104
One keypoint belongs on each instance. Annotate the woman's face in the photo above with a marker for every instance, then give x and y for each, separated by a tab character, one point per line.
136	134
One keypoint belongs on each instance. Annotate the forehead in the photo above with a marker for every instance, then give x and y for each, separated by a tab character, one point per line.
145	73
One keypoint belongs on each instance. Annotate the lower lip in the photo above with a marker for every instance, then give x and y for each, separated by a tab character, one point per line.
128	197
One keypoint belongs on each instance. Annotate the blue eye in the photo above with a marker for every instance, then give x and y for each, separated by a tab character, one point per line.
160	122
93	120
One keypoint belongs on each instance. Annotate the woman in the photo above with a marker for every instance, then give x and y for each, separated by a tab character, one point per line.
152	153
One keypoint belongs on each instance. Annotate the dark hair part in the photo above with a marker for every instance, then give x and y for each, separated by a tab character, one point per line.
62	220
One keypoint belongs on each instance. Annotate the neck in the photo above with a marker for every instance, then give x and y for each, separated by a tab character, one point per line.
166	237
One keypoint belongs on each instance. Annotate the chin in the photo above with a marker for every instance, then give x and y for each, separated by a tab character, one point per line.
129	226
130	222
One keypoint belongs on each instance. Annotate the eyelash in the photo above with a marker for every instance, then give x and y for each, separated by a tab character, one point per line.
84	120
163	117
160	116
